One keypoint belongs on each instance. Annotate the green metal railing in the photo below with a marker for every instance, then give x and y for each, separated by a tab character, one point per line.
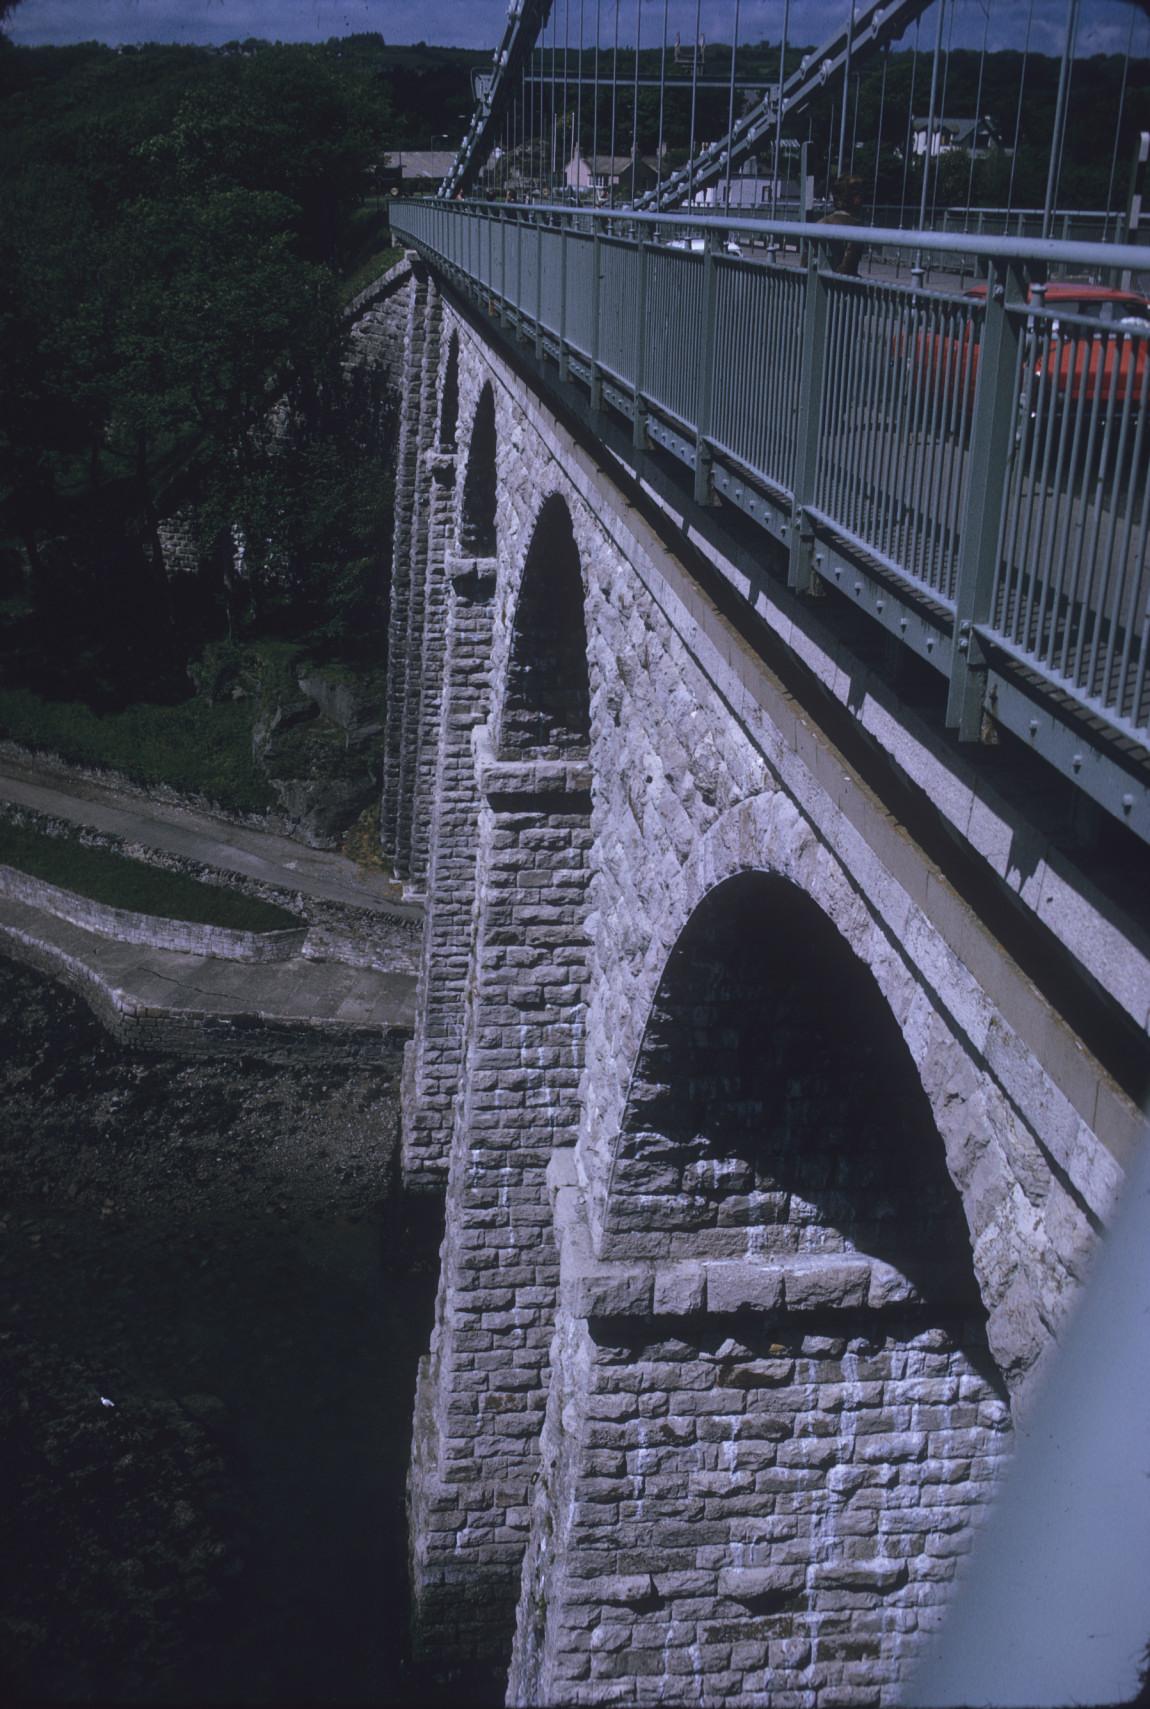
970	470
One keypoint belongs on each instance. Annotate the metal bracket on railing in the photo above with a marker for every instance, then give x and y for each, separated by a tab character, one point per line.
539	290
816	310
991	448
564	349
704	489
639	364
596	271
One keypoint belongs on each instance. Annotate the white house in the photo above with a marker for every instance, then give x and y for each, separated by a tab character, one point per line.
971	136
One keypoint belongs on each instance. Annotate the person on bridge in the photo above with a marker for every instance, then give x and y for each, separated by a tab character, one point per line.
847	193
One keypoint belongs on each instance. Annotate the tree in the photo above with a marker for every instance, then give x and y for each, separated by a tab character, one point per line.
166	290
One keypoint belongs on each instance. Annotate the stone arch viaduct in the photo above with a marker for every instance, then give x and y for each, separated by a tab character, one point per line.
777	1057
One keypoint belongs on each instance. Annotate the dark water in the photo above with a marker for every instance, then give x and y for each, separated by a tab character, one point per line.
216	1247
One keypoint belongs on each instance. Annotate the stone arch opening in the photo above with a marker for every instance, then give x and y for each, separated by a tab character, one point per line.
547	704
776	1099
477	534
785	1336
449	404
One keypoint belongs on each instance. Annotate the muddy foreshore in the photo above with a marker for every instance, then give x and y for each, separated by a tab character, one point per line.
213	1305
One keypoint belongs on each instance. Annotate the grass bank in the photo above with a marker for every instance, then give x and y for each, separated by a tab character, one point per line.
117	882
195	747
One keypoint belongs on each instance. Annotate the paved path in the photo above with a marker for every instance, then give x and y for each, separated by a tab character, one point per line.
167	988
200	837
136	977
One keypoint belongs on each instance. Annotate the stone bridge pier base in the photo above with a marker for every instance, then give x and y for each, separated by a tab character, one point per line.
482	1390
745	1498
434	1059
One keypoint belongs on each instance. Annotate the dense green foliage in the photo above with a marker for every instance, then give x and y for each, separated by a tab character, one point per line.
117	882
178	225
197	747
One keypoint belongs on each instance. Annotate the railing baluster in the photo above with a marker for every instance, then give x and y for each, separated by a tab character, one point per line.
639	362
995	415
706	385
596	274
800	570
539	289
564	353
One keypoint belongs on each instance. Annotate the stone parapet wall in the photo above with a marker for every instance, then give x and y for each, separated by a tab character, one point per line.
129	927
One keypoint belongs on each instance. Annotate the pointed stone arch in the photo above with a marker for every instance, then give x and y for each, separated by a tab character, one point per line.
775	1101
449	398
546	708
478	536
779	1343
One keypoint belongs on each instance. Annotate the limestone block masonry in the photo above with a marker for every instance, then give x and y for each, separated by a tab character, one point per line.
127	926
770	1176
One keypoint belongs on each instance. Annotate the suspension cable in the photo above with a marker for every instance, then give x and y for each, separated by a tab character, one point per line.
577	138
662	102
946	64
635	104
1018	115
731	105
930	117
564	155
694	92
779	104
595	99
614	102
878	139
1121	114
553	86
846	91
910	125
1058	136
977	112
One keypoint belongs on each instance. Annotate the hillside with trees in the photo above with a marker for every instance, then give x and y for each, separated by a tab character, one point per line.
180	230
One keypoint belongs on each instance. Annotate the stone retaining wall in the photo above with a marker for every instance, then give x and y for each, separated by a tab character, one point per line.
359	937
189	1033
126	926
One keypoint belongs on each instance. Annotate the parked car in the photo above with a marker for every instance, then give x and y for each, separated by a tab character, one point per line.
1072	365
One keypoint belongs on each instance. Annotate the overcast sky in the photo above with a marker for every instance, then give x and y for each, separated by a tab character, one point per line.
479	23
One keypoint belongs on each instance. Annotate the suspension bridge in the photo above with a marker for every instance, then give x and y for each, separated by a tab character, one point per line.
769	691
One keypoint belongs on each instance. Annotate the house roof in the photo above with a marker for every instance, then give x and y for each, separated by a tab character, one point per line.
957	127
422	162
613	163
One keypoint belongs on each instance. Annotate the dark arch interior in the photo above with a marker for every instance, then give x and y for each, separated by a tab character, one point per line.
774	1089
449	408
477	534
547	710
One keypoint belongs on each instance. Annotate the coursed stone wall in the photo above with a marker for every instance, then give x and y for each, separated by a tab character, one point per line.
723	1403
127	926
184	1032
413	442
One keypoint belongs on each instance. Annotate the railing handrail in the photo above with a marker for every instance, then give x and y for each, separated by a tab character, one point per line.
1051	251
970	470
